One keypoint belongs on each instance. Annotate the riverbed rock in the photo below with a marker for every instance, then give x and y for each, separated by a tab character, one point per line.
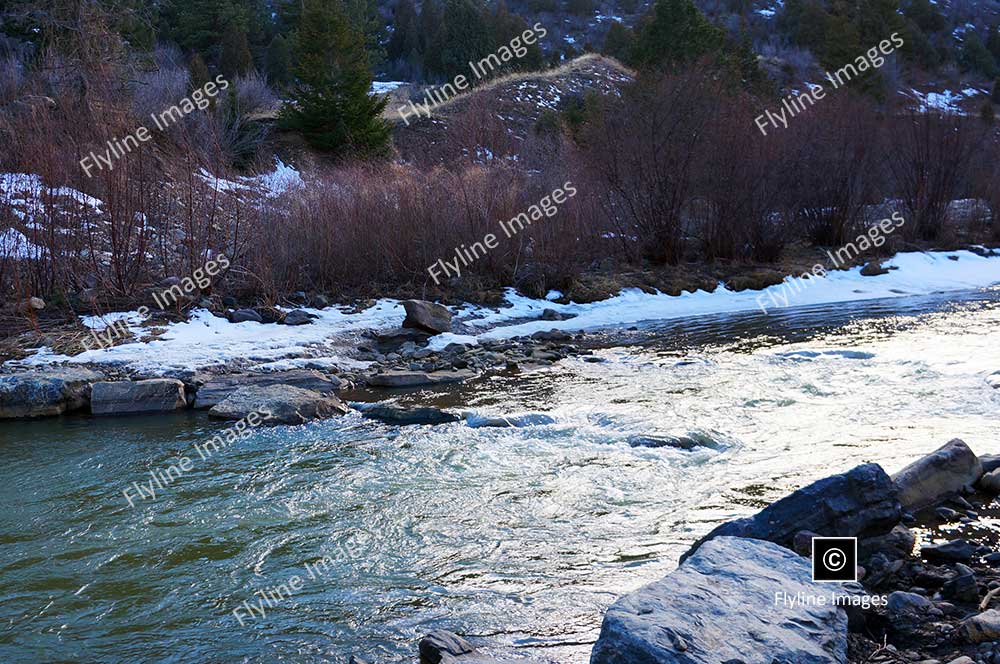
990	462
862	502
897	544
245	316
156	395
287	404
427	316
955	551
298	317
719	606
217	388
907	611
945	472
990	482
29	305
477	421
983	627
400	416
441	646
418	378
874	269
45	393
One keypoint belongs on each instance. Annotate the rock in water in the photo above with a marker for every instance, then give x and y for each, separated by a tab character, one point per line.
407	416
719	606
957	550
427	316
862	502
217	388
286	404
45	393
990	482
942	473
418	378
157	395
440	646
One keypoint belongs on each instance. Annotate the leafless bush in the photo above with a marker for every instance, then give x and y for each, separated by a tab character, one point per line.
157	90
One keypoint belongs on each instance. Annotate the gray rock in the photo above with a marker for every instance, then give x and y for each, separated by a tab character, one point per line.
29	305
298	317
441	646
418	378
45	393
217	388
719	606
957	550
907	611
942	473
897	543
477	421
961	588
689	441
156	395
428	316
873	269
862	502
990	482
406	416
286	404
990	462
552	335
245	316
983	627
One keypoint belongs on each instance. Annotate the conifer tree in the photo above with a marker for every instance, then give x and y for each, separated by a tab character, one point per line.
331	105
674	32
278	61
235	59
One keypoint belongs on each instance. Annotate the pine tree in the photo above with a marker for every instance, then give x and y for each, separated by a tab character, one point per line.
431	16
405	40
331	105
278	61
618	43
975	57
235	59
674	32
464	37
995	96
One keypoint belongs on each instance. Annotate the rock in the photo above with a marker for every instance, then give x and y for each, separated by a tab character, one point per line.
245	316
719	606
957	550
802	542
983	627
400	335
907	611
298	317
690	441
896	544
217	388
862	502
945	472
286	404
477	421
428	316
29	306
552	335
440	646
406	416
990	462
990	482
946	514
356	660
156	395
873	269
992	558
961	588
320	301
961	660
417	378
45	393
550	314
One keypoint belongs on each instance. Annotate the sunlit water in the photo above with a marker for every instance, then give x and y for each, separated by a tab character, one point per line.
520	536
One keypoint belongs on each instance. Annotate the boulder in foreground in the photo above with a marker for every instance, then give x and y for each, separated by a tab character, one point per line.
286	404
156	395
45	393
862	502
428	316
719	606
945	472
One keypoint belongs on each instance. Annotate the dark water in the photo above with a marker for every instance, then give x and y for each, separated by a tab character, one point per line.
521	536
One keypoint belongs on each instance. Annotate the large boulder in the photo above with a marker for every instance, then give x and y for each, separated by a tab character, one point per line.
45	393
286	404
217	388
428	316
156	395
982	628
418	378
862	502
942	473
726	603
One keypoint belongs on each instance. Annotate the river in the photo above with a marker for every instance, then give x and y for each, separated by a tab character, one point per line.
521	536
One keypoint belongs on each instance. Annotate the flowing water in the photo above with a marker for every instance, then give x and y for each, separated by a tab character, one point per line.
521	536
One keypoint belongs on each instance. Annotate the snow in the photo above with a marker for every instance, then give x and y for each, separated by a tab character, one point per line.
945	101
102	321
283	178
206	340
13	244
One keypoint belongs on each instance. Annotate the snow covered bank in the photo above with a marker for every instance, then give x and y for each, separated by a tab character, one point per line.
207	340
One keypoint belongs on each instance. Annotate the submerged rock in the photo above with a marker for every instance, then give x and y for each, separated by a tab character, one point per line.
862	502
427	316
45	393
719	606
285	403
689	441
156	395
217	388
945	472
477	421
406	416
441	646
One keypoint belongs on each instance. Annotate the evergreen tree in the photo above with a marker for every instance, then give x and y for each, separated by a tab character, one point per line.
504	28
331	105
405	40
618	43
198	71
995	96
365	19
975	57
674	32
464	37
278	61
196	24
993	43
429	41
987	113
925	15
235	59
